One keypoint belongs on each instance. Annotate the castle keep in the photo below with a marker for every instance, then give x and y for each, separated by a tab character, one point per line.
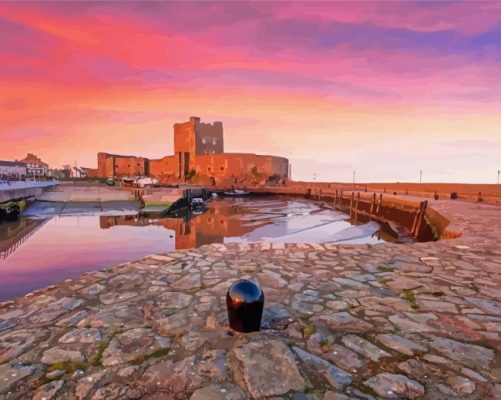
198	157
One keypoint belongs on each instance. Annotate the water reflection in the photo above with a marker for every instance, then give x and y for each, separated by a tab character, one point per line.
35	253
251	220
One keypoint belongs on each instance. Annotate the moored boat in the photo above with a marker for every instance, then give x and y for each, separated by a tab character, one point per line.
236	193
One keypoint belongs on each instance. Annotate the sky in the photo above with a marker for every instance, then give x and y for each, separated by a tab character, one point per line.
385	89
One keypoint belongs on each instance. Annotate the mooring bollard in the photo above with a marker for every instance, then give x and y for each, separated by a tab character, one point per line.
245	302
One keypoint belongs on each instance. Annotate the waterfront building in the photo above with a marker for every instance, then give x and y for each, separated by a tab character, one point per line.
35	167
12	170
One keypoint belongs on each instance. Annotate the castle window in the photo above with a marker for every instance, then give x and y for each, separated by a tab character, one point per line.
138	164
203	140
208	169
213	142
222	168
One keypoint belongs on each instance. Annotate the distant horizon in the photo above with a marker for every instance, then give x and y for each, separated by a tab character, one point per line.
382	88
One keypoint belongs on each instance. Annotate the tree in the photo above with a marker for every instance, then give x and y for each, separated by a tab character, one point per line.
66	171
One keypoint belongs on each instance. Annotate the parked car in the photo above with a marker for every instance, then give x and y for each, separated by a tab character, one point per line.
110	182
2	182
142	182
127	181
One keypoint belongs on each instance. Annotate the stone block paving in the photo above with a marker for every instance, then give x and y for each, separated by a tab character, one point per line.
391	321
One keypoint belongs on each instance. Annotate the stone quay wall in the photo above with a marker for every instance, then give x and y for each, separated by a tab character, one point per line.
388	321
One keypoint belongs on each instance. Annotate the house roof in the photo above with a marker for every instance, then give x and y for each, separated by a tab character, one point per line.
12	164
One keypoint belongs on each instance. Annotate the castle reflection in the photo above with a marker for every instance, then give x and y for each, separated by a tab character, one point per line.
195	230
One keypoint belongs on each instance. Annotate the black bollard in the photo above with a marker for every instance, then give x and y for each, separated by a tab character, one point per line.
245	302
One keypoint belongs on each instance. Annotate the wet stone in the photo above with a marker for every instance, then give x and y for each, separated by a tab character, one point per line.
272	279
116	297
4	325
335	376
188	282
224	391
400	344
10	375
342	321
81	336
269	368
125	282
72	319
55	310
343	357
93	290
55	374
14	343
133	345
173	300
408	325
56	355
86	384
275	316
395	386
48	391
468	354
461	385
402	283
364	347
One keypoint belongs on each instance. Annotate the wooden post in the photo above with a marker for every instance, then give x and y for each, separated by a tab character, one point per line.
351	203
379	203
372	206
424	205
415	221
356	208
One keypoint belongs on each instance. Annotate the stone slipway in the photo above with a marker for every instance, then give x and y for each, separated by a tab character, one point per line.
395	321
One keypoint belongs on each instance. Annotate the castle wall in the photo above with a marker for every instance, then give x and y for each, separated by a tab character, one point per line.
111	165
241	164
165	169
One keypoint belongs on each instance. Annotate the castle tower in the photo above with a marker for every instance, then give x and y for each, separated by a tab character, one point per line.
194	138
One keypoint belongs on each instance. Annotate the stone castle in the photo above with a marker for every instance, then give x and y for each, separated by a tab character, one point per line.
199	157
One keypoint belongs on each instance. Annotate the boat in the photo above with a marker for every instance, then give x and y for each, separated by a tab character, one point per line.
236	193
197	203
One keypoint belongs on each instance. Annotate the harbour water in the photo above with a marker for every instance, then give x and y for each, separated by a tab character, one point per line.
51	245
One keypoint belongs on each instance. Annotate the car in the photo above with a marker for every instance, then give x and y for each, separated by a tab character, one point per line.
3	182
142	182
126	181
110	182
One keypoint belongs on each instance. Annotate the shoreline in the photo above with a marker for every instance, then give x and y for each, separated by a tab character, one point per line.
422	317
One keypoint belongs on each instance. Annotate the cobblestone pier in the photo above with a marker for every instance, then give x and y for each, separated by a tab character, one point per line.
393	321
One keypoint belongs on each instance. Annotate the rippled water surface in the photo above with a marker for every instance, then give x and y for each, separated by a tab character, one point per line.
54	244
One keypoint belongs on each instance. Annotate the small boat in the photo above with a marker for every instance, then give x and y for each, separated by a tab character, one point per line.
197	203
236	193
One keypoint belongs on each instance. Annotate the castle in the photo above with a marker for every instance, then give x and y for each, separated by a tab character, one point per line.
199	157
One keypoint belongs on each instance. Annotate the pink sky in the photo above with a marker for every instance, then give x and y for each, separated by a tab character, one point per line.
383	88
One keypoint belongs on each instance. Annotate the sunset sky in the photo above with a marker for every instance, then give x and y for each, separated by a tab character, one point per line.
383	88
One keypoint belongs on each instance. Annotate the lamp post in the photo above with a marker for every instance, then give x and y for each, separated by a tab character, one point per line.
420	175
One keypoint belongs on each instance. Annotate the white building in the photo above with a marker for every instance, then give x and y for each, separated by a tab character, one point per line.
12	171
